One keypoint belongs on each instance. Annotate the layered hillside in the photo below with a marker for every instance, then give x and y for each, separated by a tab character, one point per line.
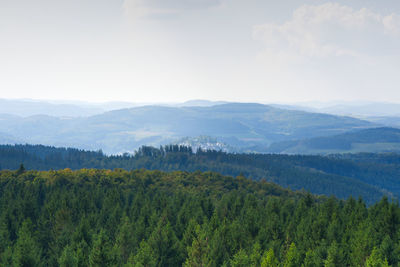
341	177
372	140
248	127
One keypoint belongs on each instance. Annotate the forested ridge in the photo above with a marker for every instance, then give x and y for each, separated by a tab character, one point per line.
368	175
152	218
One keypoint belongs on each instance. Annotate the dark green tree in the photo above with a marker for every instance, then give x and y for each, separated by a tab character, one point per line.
240	259
26	251
335	256
145	257
199	251
102	253
68	258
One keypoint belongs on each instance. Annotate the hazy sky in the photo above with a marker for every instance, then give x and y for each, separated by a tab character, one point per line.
175	50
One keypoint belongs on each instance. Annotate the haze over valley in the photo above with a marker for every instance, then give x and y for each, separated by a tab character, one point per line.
247	127
199	133
116	128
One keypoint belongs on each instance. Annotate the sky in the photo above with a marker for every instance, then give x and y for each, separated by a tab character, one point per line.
176	50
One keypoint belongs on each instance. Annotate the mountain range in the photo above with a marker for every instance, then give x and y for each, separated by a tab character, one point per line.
247	126
32	107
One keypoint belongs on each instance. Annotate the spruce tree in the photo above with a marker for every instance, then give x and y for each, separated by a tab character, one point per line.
269	259
26	251
68	258
101	253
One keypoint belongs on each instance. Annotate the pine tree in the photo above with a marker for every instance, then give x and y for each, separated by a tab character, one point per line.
165	244
6	257
292	257
198	253
335	256
269	259
312	260
376	259
101	253
82	252
26	251
255	256
68	258
145	257
240	259
4	235
21	169
125	240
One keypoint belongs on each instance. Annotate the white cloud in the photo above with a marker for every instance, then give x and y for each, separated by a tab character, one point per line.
329	30
392	24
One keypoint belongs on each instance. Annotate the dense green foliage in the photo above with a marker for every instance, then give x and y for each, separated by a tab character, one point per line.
342	176
151	218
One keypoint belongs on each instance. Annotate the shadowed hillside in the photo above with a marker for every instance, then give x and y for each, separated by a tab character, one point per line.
367	140
342	177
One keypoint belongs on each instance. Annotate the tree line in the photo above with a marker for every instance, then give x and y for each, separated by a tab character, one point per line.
368	175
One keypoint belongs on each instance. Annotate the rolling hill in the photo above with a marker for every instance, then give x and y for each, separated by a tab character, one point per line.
29	107
382	139
249	127
8	139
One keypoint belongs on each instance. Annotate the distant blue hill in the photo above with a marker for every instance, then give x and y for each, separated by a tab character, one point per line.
383	139
8	139
200	103
246	126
